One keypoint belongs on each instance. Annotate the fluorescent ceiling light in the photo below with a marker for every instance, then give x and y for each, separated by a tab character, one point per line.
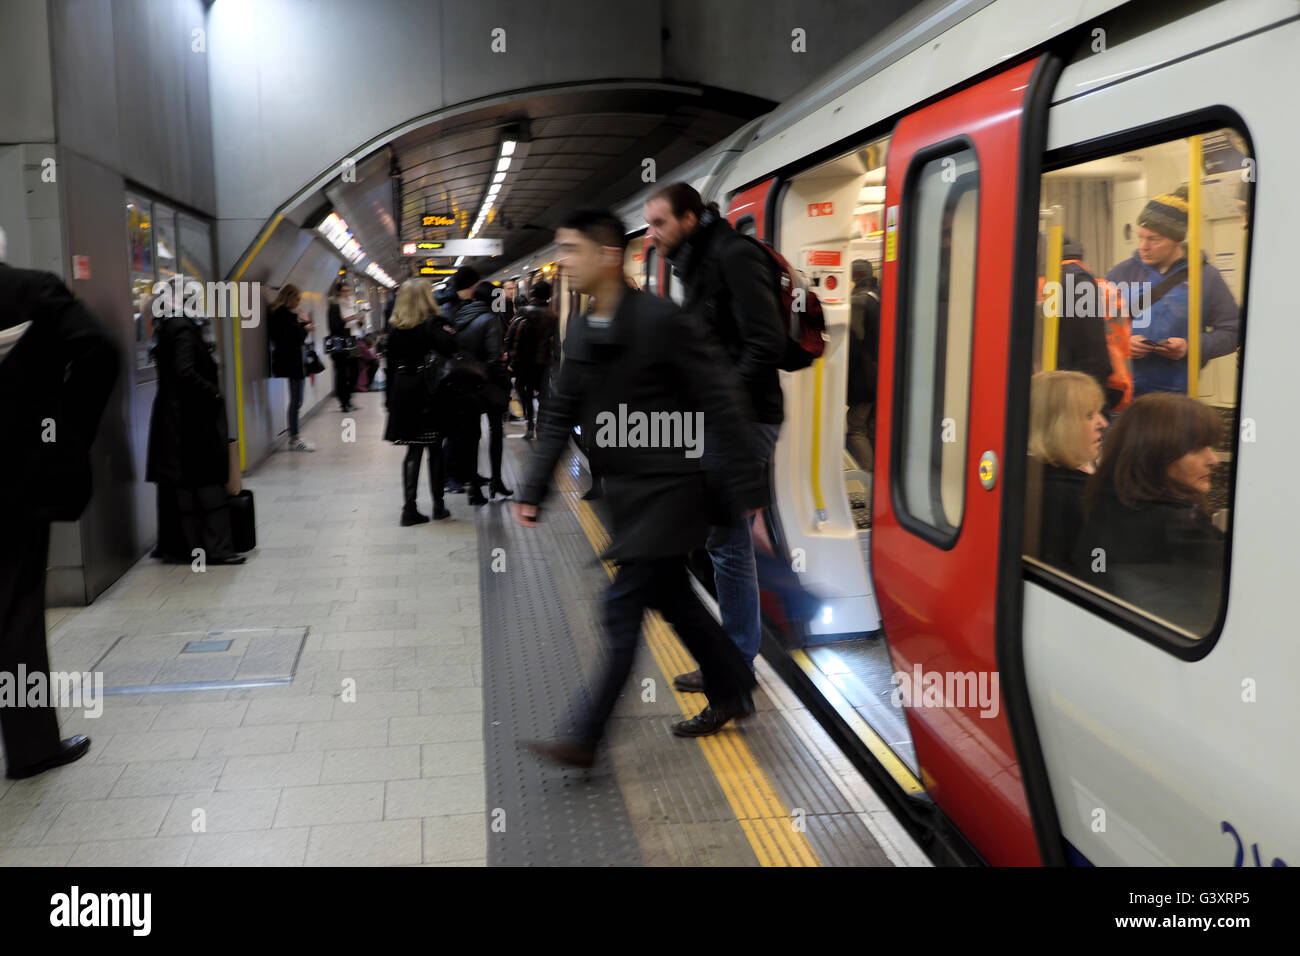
498	178
508	148
503	164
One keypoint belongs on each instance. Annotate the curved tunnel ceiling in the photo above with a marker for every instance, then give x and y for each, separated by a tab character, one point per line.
583	146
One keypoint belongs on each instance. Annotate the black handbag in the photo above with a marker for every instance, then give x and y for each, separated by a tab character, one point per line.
311	362
338	345
243	521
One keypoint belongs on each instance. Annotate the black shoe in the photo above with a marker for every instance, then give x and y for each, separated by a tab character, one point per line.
571	753
692	683
712	719
531	434
476	496
453	487
411	516
593	493
440	511
74	748
498	487
228	559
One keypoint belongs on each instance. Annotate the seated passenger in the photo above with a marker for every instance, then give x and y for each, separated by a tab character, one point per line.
1065	428
1147	534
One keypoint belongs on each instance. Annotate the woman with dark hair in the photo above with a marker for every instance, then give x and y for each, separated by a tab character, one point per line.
1147	536
341	315
287	333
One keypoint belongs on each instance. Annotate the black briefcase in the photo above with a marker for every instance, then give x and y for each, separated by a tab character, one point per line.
243	522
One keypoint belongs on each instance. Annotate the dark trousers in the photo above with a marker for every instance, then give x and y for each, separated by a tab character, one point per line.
661	585
190	518
343	380
30	733
526	392
295	404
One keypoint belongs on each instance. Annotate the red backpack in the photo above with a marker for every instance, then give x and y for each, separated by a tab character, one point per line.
806	326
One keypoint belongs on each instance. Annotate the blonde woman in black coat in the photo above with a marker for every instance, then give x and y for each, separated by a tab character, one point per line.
415	334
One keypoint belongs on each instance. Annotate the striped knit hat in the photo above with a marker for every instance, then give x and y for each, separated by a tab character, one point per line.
1167	215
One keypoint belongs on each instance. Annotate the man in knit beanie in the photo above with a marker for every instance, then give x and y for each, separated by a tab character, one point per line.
1154	285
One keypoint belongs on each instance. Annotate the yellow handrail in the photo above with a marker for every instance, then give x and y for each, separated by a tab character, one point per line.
1052	293
815	476
1194	266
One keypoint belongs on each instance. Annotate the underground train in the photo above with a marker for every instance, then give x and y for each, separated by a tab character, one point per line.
1049	721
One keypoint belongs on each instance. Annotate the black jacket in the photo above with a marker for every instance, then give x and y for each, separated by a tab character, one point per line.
411	411
1060	513
731	287
286	333
528	342
864	344
1081	339
63	368
187	432
1165	557
479	336
652	359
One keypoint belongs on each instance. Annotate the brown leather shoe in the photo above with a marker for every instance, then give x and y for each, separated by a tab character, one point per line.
74	748
712	719
568	752
692	683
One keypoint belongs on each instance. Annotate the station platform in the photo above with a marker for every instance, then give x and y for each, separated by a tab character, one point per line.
356	694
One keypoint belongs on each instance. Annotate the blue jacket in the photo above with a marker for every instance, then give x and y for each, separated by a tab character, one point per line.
1220	319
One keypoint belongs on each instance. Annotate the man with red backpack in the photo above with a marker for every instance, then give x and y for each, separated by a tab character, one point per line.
732	287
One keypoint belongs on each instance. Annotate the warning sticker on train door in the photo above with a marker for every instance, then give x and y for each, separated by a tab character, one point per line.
891	234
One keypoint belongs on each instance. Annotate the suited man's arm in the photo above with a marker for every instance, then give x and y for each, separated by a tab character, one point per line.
558	417
93	360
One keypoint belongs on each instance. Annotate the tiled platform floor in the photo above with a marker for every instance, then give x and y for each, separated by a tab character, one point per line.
295	774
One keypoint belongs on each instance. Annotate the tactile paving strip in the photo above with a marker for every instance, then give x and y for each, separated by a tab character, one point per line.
532	679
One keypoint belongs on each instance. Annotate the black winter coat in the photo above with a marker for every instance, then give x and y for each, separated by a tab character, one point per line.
478	336
864	344
1165	557
411	410
529	343
652	359
1081	339
187	433
286	333
63	368
1060	513
731	287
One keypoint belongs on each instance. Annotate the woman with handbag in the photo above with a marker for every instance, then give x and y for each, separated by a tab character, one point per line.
288	334
416	336
342	320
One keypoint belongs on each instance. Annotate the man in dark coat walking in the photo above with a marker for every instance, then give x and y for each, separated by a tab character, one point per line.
58	365
528	343
640	377
479	337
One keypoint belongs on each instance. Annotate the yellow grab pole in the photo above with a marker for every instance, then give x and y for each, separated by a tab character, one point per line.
1194	266
1052	294
815	476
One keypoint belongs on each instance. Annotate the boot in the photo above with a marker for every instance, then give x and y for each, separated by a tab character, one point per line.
410	481
498	487
476	494
436	480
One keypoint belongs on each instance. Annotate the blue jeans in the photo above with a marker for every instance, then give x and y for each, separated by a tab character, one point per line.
295	403
735	574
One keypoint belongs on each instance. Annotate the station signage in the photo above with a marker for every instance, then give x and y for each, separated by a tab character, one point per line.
429	221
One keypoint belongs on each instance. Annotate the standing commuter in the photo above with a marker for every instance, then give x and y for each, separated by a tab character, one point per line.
416	332
640	353
864	336
58	365
731	290
342	323
478	336
287	333
1159	264
188	457
529	347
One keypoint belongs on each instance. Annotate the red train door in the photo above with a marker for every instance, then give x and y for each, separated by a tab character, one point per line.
946	346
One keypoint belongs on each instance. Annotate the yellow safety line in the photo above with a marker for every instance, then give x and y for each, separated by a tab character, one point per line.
239	364
767	823
1052	311
1194	174
893	765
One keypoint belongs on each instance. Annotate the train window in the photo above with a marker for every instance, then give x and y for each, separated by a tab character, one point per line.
1133	403
942	199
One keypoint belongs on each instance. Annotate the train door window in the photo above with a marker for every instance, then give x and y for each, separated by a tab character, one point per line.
938	298
1133	403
